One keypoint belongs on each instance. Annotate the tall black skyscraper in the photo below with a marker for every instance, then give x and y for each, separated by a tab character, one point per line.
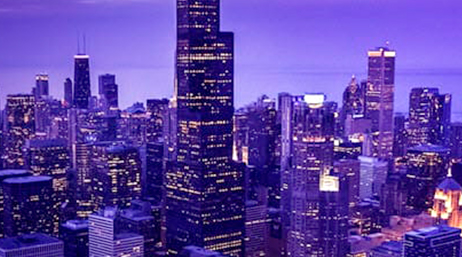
82	89
204	189
68	92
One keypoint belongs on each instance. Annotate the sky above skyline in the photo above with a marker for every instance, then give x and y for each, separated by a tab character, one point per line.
293	46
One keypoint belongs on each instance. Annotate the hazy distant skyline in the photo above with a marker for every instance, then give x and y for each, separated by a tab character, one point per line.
295	46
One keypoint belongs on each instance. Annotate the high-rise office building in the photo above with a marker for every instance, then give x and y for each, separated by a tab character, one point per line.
400	135
20	126
373	175
68	93
50	157
351	169
204	188
256	228
156	112
74	234
37	245
429	116
104	239
29	206
307	154
333	215
388	249
109	92
41	86
427	166
433	242
5	174
380	100
455	140
115	174
82	88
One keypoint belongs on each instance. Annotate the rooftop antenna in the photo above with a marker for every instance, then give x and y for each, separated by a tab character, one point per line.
78	43
84	44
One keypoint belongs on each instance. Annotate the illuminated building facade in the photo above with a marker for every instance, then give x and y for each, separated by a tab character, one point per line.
432	242
307	131
447	203
82	88
20	126
380	99
204	188
29	206
50	157
429	116
115	174
427	165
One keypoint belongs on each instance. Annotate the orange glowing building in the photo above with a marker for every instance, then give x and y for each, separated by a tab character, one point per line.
447	203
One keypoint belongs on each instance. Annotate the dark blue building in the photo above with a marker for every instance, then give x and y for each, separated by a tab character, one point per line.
436	241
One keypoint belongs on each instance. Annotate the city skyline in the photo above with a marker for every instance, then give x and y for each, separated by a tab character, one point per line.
302	26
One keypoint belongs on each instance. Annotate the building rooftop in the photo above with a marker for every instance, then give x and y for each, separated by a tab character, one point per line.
433	231
76	224
12	173
429	148
126	235
27	179
23	241
193	250
391	246
38	143
449	184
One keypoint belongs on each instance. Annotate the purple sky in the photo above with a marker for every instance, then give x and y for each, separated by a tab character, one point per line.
281	45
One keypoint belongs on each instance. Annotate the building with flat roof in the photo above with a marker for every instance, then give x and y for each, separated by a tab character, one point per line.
74	234
433	242
31	245
388	249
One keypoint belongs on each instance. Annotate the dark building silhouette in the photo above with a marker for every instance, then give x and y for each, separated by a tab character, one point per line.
29	206
426	167
204	188
20	126
82	88
36	244
5	174
455	140
41	86
109	92
74	234
68	92
401	136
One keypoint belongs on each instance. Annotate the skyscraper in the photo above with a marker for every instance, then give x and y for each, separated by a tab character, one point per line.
204	188
307	154
432	242
20	126
5	174
380	99
115	174
41	86
74	234
29	206
82	88
429	116
427	166
68	92
108	91
447	203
